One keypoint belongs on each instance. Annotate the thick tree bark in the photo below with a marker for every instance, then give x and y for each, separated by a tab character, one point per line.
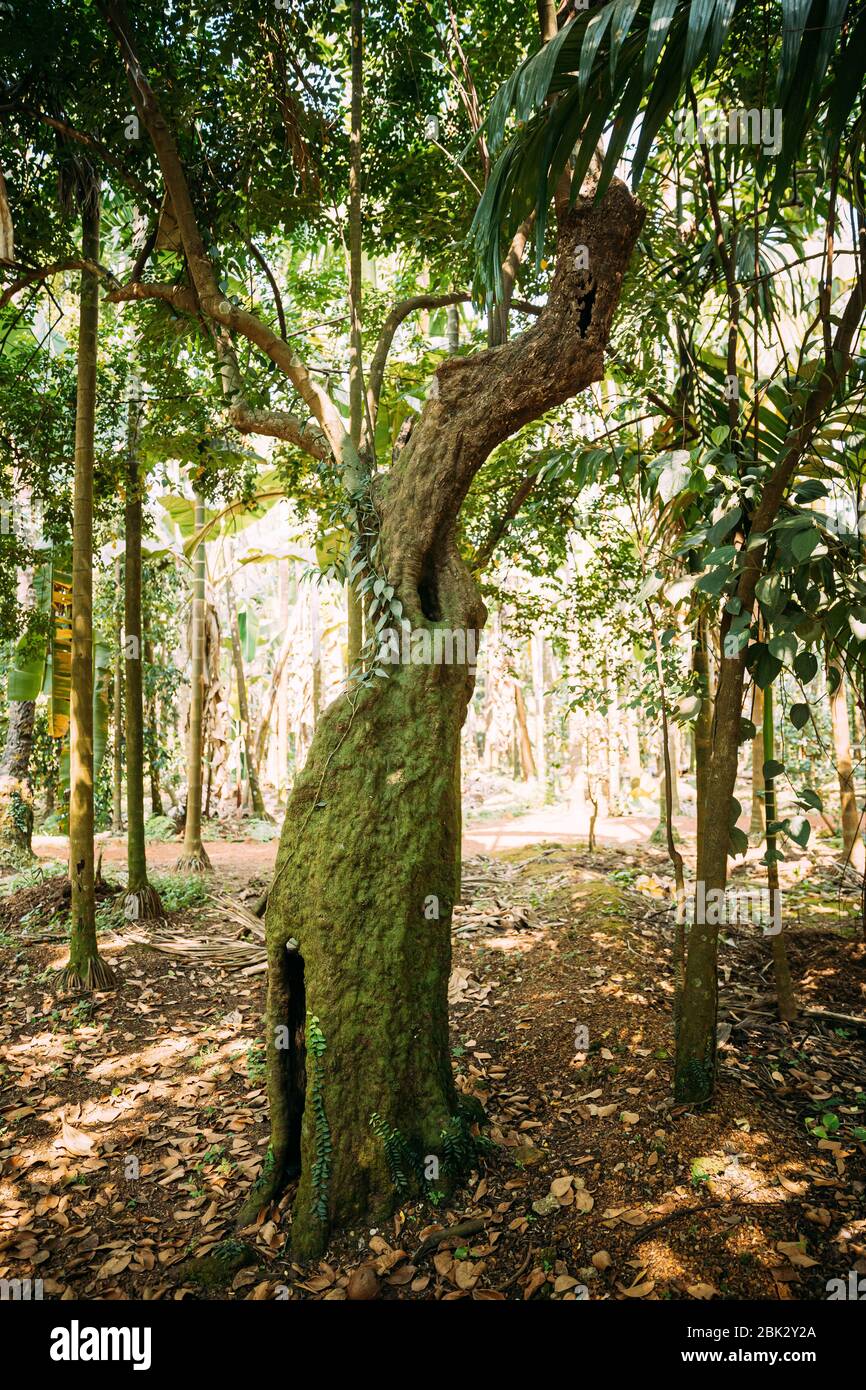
15	761
85	969
368	867
142	901
194	858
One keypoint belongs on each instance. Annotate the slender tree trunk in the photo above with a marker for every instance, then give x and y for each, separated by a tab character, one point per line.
283	690
851	821
539	742
703	730
668	783
16	797
153	723
781	970
16	793
528	769
613	752
355	609
85	969
756	824
277	688
117	766
316	644
142	900
634	767
256	798
194	858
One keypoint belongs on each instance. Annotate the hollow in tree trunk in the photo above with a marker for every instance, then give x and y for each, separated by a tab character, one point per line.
142	901
194	859
85	969
359	913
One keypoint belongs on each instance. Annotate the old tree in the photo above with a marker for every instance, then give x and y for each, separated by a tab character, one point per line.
358	1056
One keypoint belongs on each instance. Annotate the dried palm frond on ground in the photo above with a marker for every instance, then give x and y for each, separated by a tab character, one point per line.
241	948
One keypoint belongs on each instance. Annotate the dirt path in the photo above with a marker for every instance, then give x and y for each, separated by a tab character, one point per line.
241	859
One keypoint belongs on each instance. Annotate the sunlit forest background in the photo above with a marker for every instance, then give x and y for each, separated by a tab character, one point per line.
432	631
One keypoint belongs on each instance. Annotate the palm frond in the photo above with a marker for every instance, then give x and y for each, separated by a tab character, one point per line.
634	59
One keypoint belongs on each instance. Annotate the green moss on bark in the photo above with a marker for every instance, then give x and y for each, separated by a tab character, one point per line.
372	835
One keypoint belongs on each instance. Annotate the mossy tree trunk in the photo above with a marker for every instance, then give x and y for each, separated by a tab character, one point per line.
85	969
142	901
194	858
368	866
371	837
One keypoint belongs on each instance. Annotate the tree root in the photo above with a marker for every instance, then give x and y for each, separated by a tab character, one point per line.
196	862
267	1188
96	975
143	905
215	1270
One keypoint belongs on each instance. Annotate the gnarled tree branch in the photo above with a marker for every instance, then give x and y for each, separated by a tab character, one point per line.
211	300
476	402
45	272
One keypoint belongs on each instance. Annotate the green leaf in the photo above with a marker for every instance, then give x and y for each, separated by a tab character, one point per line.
766	668
798	829
799	715
700	14
806	666
804	542
811	798
772	768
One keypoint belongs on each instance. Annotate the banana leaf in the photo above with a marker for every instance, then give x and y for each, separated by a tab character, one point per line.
58	667
27	672
248	626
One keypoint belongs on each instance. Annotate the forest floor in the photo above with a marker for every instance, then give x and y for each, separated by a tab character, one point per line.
132	1124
